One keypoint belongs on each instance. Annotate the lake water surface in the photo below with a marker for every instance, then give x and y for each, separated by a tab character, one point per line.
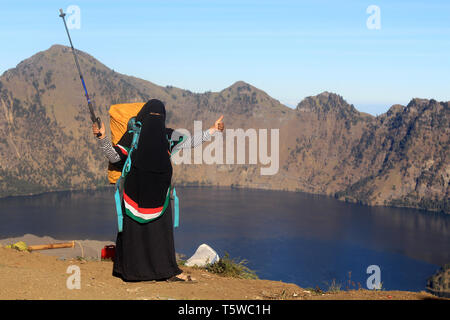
294	237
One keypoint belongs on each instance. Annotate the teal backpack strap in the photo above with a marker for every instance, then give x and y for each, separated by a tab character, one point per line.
136	130
118	199
176	201
176	220
171	143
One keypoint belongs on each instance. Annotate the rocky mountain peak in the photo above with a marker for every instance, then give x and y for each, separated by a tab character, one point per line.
326	102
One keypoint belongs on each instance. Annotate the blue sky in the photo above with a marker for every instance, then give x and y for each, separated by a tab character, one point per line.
290	49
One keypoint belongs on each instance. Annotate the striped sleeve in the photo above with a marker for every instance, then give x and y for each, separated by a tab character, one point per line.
190	141
113	155
108	150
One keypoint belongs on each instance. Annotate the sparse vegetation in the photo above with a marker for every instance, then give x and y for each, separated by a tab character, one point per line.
228	267
334	287
315	291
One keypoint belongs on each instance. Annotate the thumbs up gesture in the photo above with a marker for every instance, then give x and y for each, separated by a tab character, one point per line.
218	125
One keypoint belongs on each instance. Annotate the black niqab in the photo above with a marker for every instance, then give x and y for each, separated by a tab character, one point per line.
151	154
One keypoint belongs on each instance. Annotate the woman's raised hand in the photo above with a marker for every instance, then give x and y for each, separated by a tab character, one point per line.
218	125
96	130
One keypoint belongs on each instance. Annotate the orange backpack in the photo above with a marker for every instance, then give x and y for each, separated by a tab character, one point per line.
119	115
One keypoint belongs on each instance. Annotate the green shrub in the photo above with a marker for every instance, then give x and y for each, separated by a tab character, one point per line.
228	267
334	287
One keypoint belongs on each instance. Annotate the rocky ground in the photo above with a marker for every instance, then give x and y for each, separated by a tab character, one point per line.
44	275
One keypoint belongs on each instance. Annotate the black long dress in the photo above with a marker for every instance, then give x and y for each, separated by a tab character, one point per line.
145	251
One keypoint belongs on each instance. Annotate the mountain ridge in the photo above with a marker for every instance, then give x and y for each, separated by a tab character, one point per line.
327	146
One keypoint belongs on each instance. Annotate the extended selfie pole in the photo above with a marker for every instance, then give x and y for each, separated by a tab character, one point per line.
91	108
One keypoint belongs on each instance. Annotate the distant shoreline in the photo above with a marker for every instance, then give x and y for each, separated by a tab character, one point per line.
187	185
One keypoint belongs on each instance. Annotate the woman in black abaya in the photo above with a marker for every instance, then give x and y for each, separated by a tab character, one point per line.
145	248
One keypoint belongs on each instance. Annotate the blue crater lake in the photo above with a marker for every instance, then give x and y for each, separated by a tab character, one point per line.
293	237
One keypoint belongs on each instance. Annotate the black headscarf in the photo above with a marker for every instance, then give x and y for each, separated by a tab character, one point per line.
154	106
151	154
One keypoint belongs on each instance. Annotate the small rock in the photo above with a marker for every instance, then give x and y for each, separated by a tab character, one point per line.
203	256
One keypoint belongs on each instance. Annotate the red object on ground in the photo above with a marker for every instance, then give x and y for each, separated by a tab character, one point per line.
108	252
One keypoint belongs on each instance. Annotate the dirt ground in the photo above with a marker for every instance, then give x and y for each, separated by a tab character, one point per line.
25	275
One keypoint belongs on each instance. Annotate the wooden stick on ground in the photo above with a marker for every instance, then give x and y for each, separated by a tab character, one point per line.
52	246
